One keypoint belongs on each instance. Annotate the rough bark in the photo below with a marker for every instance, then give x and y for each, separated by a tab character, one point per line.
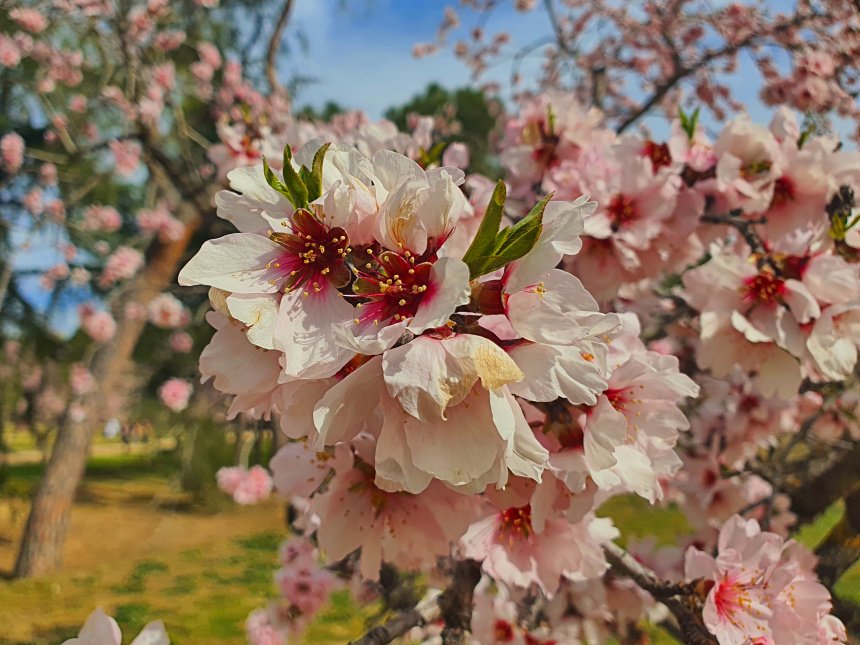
45	532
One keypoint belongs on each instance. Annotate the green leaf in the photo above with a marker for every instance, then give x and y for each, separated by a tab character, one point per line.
804	137
433	156
313	177
550	120
298	191
689	123
274	182
511	243
489	229
518	240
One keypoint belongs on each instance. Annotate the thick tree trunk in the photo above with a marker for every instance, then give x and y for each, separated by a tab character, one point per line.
42	543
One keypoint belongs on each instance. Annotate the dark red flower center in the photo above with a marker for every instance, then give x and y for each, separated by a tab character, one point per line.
503	631
783	192
622	210
763	288
516	522
392	284
315	254
658	153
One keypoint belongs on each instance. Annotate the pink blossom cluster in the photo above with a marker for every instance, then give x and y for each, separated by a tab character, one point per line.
247	486
354	304
304	589
98	218
159	221
126	156
12	152
764	588
121	265
81	380
167	312
181	342
30	19
98	325
175	394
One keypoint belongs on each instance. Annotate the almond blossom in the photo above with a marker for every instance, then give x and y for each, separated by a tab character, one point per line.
760	590
101	629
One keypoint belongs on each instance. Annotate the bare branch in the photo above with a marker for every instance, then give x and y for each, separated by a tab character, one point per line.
426	611
751	237
274	46
682	600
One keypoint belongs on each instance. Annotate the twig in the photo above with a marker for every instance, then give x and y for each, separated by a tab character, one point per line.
751	237
681	599
427	611
274	46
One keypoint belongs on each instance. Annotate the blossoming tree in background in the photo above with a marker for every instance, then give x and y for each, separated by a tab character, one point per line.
632	59
464	371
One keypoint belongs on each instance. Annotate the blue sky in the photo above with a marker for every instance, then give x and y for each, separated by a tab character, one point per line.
362	54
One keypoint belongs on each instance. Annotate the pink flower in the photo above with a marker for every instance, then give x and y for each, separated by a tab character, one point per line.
164	76
229	478
101	218
246	486
10	52
297	552
81	380
255	486
750	160
167	312
47	173
259	627
12	152
29	19
126	156
410	531
306	589
209	54
169	40
98	325
78	103
175	393
409	212
760	588
181	342
122	264
159	221
515	553
456	155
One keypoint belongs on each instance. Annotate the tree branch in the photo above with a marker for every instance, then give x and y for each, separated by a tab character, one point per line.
457	600
751	237
681	599
427	611
707	58
274	46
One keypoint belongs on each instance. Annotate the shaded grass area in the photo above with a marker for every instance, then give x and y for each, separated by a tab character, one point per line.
140	550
